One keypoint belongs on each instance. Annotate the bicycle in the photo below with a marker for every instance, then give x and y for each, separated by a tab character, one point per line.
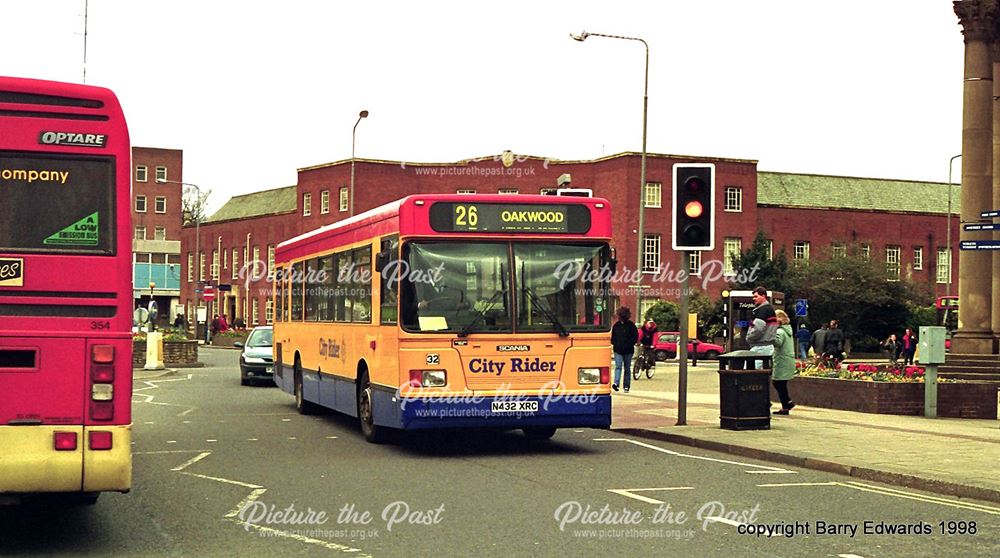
645	360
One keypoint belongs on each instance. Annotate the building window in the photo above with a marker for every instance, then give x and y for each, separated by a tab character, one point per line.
892	254
190	267
215	265
510	191
732	249
160	204
654	192
270	262
254	312
161	233
838	250
141	173
645	306
943	266
651	253
236	263
324	202
734	198
307	204
161	173
801	253
201	266
256	255
694	263
269	311
140	204
465	191
140	232
345	198
866	251
918	258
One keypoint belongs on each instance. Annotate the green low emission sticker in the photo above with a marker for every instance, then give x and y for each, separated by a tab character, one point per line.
82	233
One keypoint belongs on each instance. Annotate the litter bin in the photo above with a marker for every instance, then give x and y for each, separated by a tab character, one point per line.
744	393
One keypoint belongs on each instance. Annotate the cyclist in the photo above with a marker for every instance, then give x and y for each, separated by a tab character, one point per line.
647	335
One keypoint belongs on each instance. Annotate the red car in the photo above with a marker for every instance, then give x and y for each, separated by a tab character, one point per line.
666	347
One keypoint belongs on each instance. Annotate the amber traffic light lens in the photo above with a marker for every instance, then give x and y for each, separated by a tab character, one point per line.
693	209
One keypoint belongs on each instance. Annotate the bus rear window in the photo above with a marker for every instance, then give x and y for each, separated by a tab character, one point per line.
57	204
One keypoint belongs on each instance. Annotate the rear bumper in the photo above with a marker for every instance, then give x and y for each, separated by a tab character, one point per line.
565	411
29	462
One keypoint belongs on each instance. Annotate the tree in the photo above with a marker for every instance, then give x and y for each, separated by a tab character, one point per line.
193	205
665	314
771	272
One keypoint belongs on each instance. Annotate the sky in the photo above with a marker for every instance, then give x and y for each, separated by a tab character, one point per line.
252	90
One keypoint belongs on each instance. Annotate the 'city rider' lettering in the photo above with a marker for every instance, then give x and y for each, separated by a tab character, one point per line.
495	367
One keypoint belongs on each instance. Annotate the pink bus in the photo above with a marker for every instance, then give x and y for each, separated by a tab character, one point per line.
65	291
451	311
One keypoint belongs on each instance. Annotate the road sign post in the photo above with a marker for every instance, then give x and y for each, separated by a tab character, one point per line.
801	308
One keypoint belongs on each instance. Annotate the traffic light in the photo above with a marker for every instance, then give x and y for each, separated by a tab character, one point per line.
694	206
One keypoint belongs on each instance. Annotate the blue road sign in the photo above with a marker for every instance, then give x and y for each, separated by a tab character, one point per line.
982	227
801	308
980	245
987	214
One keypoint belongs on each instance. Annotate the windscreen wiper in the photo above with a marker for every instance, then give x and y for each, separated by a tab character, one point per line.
545	310
482	313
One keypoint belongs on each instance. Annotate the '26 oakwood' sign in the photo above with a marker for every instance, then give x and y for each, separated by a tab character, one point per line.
11	272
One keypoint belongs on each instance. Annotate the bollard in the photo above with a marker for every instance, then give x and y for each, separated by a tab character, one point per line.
154	351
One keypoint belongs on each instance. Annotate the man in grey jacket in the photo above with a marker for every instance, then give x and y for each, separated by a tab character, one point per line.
764	326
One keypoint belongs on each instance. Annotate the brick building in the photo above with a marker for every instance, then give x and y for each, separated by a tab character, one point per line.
156	222
903	223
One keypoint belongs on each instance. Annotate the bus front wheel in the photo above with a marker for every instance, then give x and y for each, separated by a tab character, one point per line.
366	413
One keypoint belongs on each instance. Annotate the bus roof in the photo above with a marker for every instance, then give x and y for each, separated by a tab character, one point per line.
410	223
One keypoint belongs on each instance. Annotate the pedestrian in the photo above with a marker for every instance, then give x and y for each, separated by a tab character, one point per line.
893	347
803	336
834	343
909	343
223	324
239	324
784	361
764	326
819	339
624	336
179	321
216	324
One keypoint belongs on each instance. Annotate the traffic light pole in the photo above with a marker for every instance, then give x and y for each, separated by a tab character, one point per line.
682	343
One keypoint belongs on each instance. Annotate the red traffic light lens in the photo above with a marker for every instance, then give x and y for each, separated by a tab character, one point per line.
694	184
693	209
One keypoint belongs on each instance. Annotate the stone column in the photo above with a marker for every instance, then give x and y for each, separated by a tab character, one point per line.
995	198
975	285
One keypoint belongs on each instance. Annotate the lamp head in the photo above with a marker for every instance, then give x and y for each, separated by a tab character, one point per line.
581	37
363	114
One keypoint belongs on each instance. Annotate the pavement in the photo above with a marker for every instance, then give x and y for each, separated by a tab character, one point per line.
957	457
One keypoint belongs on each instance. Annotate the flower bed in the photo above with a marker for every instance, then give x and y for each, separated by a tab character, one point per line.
884	389
230	336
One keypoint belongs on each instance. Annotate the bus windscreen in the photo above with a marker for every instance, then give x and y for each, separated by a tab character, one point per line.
57	204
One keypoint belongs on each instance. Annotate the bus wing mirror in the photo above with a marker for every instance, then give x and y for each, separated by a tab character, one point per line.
381	260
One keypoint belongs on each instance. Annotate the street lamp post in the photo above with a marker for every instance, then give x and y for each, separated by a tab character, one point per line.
948	233
362	114
642	171
197	241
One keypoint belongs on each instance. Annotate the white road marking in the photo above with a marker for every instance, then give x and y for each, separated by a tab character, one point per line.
849	556
922	498
628	493
292	438
210	441
286	420
251	439
192	461
726	521
331	437
152	384
171	441
164	451
678	454
771	472
246	502
149	423
301	538
217	479
778	485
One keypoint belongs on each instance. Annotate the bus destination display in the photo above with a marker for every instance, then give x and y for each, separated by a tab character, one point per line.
509	218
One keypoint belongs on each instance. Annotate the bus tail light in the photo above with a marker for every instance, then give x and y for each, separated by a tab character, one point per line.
65	441
101	440
102	373
102	392
605	375
102	410
102	354
428	378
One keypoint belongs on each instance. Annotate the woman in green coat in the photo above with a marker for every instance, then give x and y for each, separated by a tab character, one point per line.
784	361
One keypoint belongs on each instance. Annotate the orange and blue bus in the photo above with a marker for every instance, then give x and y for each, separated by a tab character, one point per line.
65	291
451	311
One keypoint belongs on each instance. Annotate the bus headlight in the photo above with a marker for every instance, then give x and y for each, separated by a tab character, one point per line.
589	376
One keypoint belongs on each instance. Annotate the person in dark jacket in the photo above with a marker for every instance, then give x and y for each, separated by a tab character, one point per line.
624	336
819	339
803	336
894	347
834	343
763	328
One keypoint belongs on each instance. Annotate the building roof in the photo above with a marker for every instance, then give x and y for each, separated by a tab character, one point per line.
268	202
846	192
